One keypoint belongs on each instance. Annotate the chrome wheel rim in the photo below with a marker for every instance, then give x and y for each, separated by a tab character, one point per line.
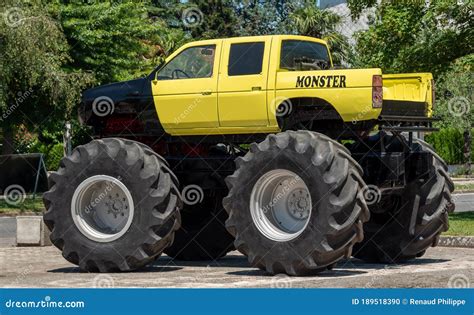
280	205
102	208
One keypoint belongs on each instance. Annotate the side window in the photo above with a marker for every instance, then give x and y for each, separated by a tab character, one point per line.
193	62
304	55
246	58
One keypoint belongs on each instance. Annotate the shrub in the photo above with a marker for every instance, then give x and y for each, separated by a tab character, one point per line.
449	144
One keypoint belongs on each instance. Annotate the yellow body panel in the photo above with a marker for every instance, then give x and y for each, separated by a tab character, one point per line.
246	104
410	87
242	99
353	100
188	103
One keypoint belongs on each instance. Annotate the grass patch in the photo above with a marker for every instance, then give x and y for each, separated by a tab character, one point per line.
463	187
461	224
28	205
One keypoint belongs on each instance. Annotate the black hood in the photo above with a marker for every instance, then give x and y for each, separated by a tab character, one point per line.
127	97
116	91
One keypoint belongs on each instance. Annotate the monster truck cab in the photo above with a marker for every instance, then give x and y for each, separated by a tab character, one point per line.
261	84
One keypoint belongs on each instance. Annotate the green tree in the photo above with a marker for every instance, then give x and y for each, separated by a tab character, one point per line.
256	17
454	103
37	90
116	40
414	36
309	20
206	19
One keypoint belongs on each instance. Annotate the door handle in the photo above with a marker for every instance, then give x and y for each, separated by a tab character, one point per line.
206	92
256	88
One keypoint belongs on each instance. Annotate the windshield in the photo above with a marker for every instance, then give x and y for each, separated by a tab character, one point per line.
304	55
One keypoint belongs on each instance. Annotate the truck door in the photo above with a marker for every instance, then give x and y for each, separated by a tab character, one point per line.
185	89
242	95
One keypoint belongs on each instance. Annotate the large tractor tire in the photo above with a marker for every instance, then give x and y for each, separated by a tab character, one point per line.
202	235
294	203
407	222
113	205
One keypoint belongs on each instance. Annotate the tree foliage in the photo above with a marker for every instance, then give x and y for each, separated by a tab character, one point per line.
206	19
447	143
455	94
37	90
116	40
309	20
414	36
256	17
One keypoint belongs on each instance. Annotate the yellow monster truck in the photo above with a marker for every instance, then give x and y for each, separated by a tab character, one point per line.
258	143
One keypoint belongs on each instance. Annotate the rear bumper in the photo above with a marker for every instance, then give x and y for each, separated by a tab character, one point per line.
407	123
404	108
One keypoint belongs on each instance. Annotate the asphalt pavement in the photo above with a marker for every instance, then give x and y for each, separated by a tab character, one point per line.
441	267
7	231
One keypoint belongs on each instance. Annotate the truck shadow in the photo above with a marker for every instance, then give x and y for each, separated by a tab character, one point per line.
348	267
150	268
240	261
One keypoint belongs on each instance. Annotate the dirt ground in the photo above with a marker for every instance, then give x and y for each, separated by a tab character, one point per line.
441	267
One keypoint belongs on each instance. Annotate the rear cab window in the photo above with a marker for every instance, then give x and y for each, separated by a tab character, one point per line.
245	58
299	55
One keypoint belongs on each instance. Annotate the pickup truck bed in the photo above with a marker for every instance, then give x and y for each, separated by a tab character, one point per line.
409	94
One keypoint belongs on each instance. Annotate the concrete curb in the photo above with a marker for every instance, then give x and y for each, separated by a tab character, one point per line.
31	231
456	241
